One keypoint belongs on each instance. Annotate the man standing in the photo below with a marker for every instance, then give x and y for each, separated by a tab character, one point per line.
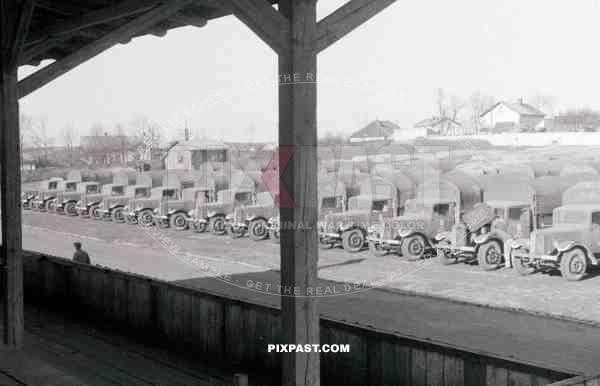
80	255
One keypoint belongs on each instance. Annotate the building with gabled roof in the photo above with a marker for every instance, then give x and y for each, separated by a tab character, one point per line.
438	126
515	116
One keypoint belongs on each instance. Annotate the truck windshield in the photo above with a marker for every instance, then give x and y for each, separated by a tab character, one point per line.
140	192
168	193
569	216
329	202
52	185
71	186
91	189
379	205
117	190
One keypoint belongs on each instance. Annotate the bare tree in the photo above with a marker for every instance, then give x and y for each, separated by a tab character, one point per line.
146	134
477	104
449	107
543	102
41	139
69	135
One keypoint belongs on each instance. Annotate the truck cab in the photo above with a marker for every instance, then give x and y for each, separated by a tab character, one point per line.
113	206
176	213
91	197
44	197
66	199
141	209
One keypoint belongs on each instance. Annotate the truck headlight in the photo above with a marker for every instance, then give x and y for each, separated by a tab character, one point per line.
191	213
156	211
228	218
126	208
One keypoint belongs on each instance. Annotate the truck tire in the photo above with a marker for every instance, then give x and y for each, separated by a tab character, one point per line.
95	213
258	229
146	218
118	215
199	227
413	247
70	209
522	269
217	225
573	264
178	221
274	235
353	240
490	256
50	206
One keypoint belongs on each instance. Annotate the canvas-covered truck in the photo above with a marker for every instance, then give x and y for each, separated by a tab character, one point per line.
513	207
66	201
380	197
90	200
334	193
253	220
212	216
46	194
440	202
141	210
95	208
571	244
114	207
177	212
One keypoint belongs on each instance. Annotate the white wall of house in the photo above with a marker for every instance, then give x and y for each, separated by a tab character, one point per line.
500	113
178	159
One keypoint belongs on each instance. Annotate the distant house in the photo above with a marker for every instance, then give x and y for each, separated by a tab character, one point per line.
376	131
438	126
512	117
191	155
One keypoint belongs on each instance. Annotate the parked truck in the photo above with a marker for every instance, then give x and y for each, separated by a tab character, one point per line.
572	244
176	213
46	194
512	209
114	207
90	201
141	210
96	209
380	197
66	201
439	204
253	220
212	216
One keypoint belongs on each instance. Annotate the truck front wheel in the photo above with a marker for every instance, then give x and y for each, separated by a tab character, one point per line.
489	255
217	225
413	247
573	264
179	221
353	240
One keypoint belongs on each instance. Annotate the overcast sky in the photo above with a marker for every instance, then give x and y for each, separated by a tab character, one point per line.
389	68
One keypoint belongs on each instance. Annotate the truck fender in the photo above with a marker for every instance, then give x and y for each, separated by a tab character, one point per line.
257	218
409	233
568	245
65	202
94	203
115	206
403	233
497	234
176	211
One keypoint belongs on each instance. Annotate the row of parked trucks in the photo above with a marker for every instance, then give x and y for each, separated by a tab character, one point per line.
504	219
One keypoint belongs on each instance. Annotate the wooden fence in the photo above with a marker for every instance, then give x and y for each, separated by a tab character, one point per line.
579	381
235	332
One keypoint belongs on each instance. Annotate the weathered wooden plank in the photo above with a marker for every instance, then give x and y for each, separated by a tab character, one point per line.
496	375
518	378
119	300
64	65
419	366
389	362
264	20
233	333
435	368
299	244
186	318
453	370
475	371
11	264
178	316
97	292
345	19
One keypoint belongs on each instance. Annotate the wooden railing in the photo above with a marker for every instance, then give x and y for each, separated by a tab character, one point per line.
235	333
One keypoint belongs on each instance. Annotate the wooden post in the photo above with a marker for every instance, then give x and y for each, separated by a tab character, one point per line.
299	244
10	179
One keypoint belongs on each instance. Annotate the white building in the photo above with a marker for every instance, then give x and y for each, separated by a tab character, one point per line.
511	117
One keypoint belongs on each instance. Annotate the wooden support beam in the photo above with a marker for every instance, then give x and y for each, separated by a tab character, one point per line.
345	19
11	264
299	244
64	65
265	21
22	28
68	28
